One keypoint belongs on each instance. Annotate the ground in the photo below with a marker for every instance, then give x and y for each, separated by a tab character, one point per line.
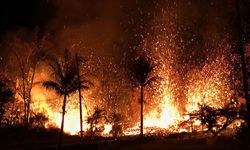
29	139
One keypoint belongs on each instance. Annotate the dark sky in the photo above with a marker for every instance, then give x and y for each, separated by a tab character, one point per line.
31	13
28	13
103	26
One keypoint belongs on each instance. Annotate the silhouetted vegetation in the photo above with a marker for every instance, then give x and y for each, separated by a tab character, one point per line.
38	120
26	74
64	81
203	57
6	95
245	74
96	122
140	71
216	120
116	122
81	79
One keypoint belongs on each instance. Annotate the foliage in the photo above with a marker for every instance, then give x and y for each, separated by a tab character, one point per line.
13	113
65	81
38	120
27	67
116	120
64	74
96	122
140	71
6	95
217	120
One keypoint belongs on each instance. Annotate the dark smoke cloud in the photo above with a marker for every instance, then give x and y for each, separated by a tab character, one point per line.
111	28
106	28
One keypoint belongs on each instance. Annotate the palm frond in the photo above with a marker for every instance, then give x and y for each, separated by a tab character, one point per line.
57	71
72	88
65	79
153	79
140	70
83	87
70	74
55	86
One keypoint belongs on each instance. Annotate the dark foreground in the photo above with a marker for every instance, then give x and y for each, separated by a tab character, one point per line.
156	144
17	139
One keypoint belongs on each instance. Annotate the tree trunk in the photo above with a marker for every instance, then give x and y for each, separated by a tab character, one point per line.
91	129
62	123
29	97
80	96
23	91
141	129
24	99
243	63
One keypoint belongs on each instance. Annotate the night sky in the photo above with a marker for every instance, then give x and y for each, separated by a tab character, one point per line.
15	14
110	28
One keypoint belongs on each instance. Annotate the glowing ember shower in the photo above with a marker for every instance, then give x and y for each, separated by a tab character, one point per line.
165	107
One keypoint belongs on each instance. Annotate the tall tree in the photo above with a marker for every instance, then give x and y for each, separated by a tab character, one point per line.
81	79
79	92
241	47
27	67
140	70
65	82
27	53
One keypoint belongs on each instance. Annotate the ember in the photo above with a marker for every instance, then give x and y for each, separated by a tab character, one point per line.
112	70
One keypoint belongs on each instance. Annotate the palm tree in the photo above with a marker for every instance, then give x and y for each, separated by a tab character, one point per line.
65	82
79	78
140	70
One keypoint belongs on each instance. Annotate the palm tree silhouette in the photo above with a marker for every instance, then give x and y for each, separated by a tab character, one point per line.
140	70
65	82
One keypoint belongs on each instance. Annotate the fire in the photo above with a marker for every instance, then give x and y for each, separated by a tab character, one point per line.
209	85
107	129
72	121
168	115
196	69
72	116
178	93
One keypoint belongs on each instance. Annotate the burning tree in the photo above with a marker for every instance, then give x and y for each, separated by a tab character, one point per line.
27	71
65	81
140	71
27	53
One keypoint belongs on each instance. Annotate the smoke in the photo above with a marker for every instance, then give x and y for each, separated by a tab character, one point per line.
109	28
182	36
87	27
